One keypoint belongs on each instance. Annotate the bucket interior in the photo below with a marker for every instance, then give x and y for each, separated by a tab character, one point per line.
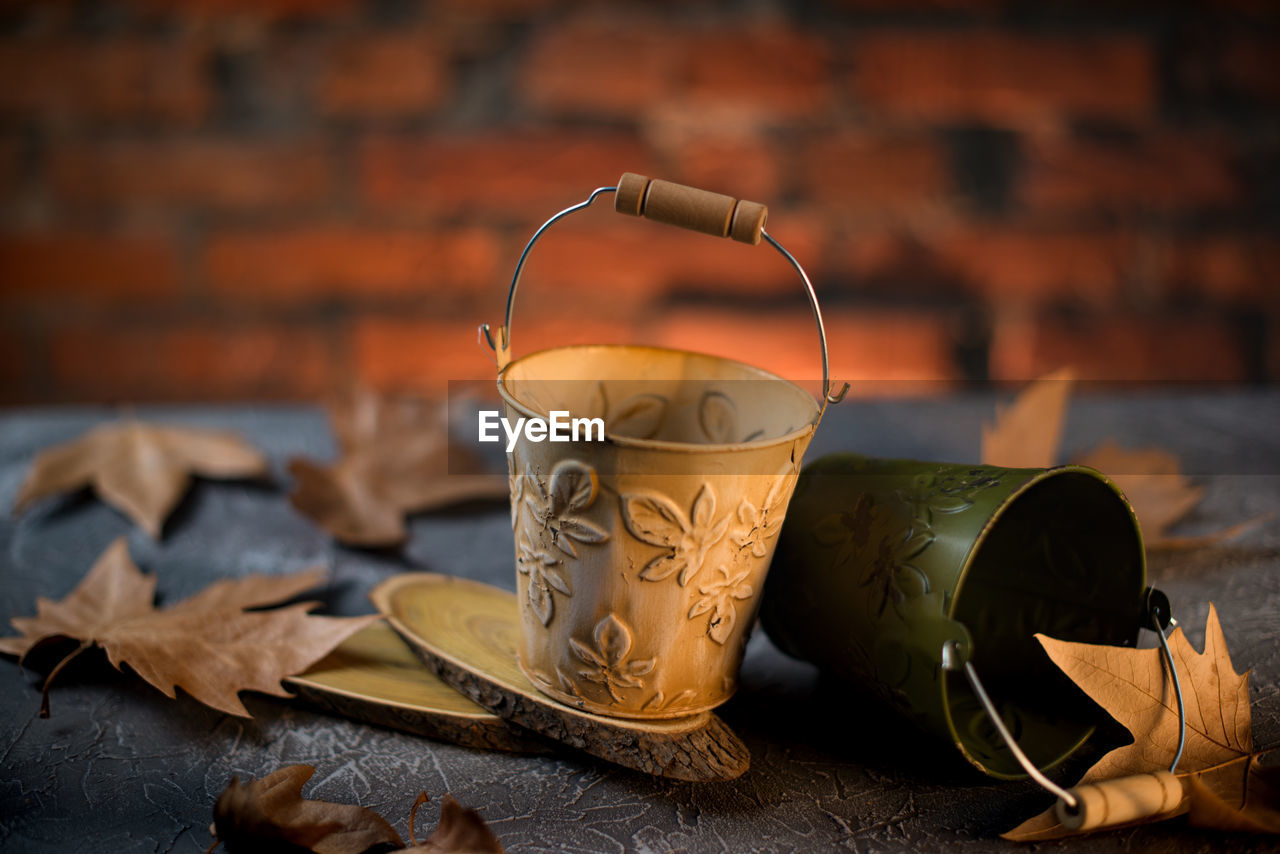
1063	559
660	395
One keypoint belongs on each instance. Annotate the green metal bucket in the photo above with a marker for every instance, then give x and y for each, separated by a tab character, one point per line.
881	563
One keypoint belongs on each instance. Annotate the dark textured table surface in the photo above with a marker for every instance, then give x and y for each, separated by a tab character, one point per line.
121	768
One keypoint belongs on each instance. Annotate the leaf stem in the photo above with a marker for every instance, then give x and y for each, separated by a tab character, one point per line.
57	668
413	815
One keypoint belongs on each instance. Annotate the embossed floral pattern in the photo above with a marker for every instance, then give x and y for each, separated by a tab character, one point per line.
638	416
654	519
761	524
945	492
565	684
718	417
545	573
659	702
606	660
881	541
891	571
543	543
516	485
572	487
848	530
718	598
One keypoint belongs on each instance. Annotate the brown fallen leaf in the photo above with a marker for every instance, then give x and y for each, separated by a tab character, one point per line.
1131	684
460	831
395	461
140	469
269	814
1160	494
1248	801
1028	432
208	645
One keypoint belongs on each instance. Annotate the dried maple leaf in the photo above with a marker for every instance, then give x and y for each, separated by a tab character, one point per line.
395	460
269	814
1028	432
1152	480
1161	496
208	645
1242	795
140	469
1132	685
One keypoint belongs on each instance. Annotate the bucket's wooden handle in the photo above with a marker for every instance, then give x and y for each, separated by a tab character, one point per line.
689	207
1127	799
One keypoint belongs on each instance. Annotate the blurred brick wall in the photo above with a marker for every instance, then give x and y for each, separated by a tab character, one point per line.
261	199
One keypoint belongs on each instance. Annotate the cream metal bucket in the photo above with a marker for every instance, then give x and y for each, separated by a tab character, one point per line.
640	558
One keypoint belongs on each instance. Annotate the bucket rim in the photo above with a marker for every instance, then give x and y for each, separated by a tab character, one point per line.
806	428
1039	476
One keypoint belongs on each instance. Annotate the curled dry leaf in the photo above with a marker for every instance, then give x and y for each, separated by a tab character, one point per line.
140	469
270	815
209	645
395	460
1132	685
460	831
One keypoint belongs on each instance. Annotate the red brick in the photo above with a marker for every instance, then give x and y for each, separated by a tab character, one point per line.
884	351
269	10
874	178
397	354
775	69
542	327
1117	347
1228	267
1159	173
1022	265
11	165
1249	65
746	167
633	260
1214	68
523	177
391	75
425	354
53	267
14	369
923	5
192	361
201	173
115	81
495	8
602	65
321	262
1004	78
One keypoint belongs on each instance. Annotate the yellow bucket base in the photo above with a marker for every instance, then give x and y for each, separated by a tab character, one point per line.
467	632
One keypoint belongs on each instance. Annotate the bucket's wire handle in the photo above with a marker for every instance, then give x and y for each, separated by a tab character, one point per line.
1111	802
688	207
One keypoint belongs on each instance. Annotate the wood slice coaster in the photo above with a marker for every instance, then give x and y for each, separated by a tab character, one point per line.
374	677
466	632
